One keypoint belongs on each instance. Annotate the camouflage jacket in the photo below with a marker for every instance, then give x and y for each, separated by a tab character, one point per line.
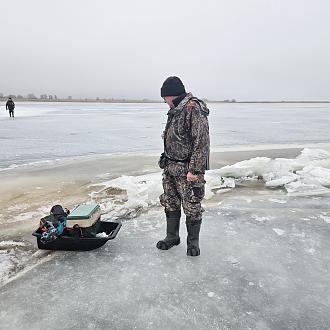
186	135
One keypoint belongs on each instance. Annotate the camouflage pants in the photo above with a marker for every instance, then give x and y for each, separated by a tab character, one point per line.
178	191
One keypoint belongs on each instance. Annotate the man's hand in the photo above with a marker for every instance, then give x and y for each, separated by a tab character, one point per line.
191	177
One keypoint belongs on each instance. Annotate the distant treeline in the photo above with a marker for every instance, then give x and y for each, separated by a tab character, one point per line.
53	98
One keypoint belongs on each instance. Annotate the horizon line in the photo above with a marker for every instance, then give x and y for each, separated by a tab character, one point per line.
145	100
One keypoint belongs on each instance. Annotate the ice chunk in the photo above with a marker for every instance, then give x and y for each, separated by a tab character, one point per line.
306	187
281	181
216	183
308	174
252	167
128	195
320	174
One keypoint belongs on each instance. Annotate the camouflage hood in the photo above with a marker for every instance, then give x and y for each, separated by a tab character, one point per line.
203	107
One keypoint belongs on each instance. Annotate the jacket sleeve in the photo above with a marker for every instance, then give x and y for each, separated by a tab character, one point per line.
7	105
200	139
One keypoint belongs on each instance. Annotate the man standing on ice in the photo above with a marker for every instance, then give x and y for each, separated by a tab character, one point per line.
10	105
184	161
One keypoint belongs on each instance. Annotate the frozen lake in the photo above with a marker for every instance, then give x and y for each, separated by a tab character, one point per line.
264	240
43	131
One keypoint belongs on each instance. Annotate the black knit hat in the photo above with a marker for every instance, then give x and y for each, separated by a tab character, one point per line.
172	86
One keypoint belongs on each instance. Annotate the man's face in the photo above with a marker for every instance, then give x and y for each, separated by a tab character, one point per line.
169	100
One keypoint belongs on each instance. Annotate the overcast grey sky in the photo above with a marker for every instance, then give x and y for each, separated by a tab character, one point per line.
243	49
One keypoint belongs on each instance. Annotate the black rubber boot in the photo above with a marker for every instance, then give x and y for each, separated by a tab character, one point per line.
193	229
172	232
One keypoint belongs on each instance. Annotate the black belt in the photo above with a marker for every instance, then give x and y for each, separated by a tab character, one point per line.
187	160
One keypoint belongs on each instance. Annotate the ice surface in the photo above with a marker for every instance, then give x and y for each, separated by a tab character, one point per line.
325	218
251	274
13	257
6	264
58	130
275	200
279	232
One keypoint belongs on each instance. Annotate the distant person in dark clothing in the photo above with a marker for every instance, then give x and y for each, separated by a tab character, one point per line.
10	105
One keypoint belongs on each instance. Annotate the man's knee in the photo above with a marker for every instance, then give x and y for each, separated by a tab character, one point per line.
169	202
193	211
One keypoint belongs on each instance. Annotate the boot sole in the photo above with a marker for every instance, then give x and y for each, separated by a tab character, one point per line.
163	245
193	252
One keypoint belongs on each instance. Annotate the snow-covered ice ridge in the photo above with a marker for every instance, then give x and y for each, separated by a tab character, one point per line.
306	175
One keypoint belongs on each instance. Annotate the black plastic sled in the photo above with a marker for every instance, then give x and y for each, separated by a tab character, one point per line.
67	243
